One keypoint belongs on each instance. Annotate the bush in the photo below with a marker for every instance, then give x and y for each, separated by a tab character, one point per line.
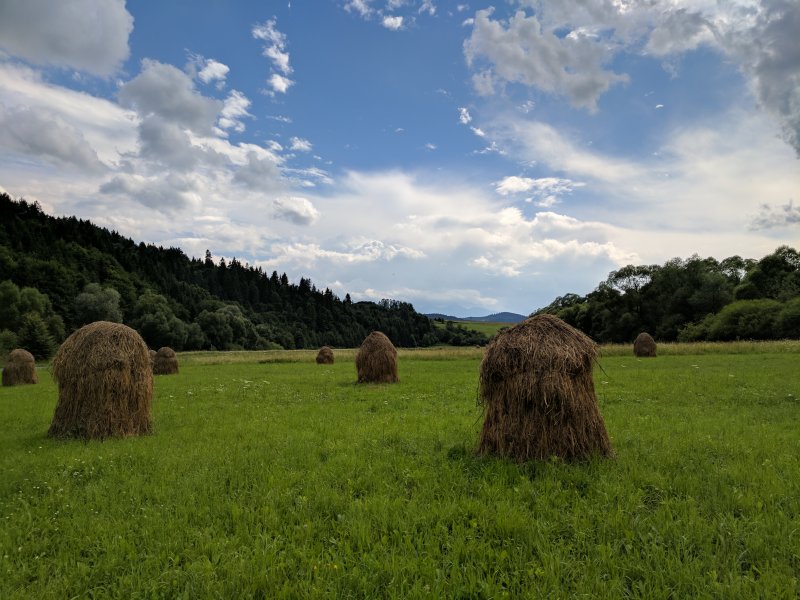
787	324
746	319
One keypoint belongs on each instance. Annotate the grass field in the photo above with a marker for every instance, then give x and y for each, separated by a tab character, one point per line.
488	329
269	476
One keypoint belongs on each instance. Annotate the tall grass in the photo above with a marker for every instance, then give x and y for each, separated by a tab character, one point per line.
287	480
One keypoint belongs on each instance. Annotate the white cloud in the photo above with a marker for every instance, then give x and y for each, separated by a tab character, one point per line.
361	7
524	52
165	193
394	22
106	127
279	84
547	191
212	70
88	35
430	146
233	111
299	144
259	173
275	49
39	133
295	209
463	116
168	92
565	48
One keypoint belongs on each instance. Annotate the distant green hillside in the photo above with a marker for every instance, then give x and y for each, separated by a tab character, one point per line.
59	273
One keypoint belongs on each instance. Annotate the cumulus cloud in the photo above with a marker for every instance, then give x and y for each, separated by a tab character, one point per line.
87	35
275	50
545	190
463	116
38	133
566	48
233	111
299	211
212	70
163	90
260	173
523	52
765	45
770	216
299	144
361	7
167	193
392	22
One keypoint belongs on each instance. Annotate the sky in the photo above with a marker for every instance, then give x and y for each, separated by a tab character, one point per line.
466	157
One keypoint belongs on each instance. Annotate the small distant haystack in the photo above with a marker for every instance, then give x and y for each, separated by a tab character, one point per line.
376	360
152	357
644	345
20	368
538	395
165	362
325	356
105	384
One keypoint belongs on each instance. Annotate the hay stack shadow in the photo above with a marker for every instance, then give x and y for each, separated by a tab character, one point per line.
644	346
165	361
20	368
538	395
325	356
376	360
105	384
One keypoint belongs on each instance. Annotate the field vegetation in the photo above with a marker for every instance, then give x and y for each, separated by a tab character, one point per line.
270	476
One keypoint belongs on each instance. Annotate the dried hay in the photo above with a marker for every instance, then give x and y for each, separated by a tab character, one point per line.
105	385
20	368
644	345
152	357
538	395
376	360
165	362
325	356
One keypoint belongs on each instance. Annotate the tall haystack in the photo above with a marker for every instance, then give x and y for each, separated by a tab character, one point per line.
20	368
644	345
325	356
376	360
165	362
538	395
105	384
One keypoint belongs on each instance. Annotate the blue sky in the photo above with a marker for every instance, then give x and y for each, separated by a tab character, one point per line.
467	157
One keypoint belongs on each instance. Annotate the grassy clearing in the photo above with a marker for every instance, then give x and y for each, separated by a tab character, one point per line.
488	329
284	479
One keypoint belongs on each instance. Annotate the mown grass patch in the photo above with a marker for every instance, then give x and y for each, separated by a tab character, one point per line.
288	480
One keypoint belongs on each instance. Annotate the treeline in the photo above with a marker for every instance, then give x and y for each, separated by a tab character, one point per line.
691	300
57	274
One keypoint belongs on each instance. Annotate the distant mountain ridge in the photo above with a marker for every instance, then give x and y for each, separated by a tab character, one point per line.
501	317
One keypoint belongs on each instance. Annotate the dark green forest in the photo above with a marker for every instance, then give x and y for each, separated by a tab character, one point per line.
57	274
692	299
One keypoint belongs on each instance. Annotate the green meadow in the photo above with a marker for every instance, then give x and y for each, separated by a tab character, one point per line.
268	476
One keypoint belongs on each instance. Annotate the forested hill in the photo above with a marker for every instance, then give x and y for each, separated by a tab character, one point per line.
692	299
59	273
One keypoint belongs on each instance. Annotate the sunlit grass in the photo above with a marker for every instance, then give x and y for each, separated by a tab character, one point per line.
286	479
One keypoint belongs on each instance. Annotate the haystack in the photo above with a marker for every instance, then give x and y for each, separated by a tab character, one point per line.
325	356
165	362
538	395
105	384
152	357
20	368
376	360
644	345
